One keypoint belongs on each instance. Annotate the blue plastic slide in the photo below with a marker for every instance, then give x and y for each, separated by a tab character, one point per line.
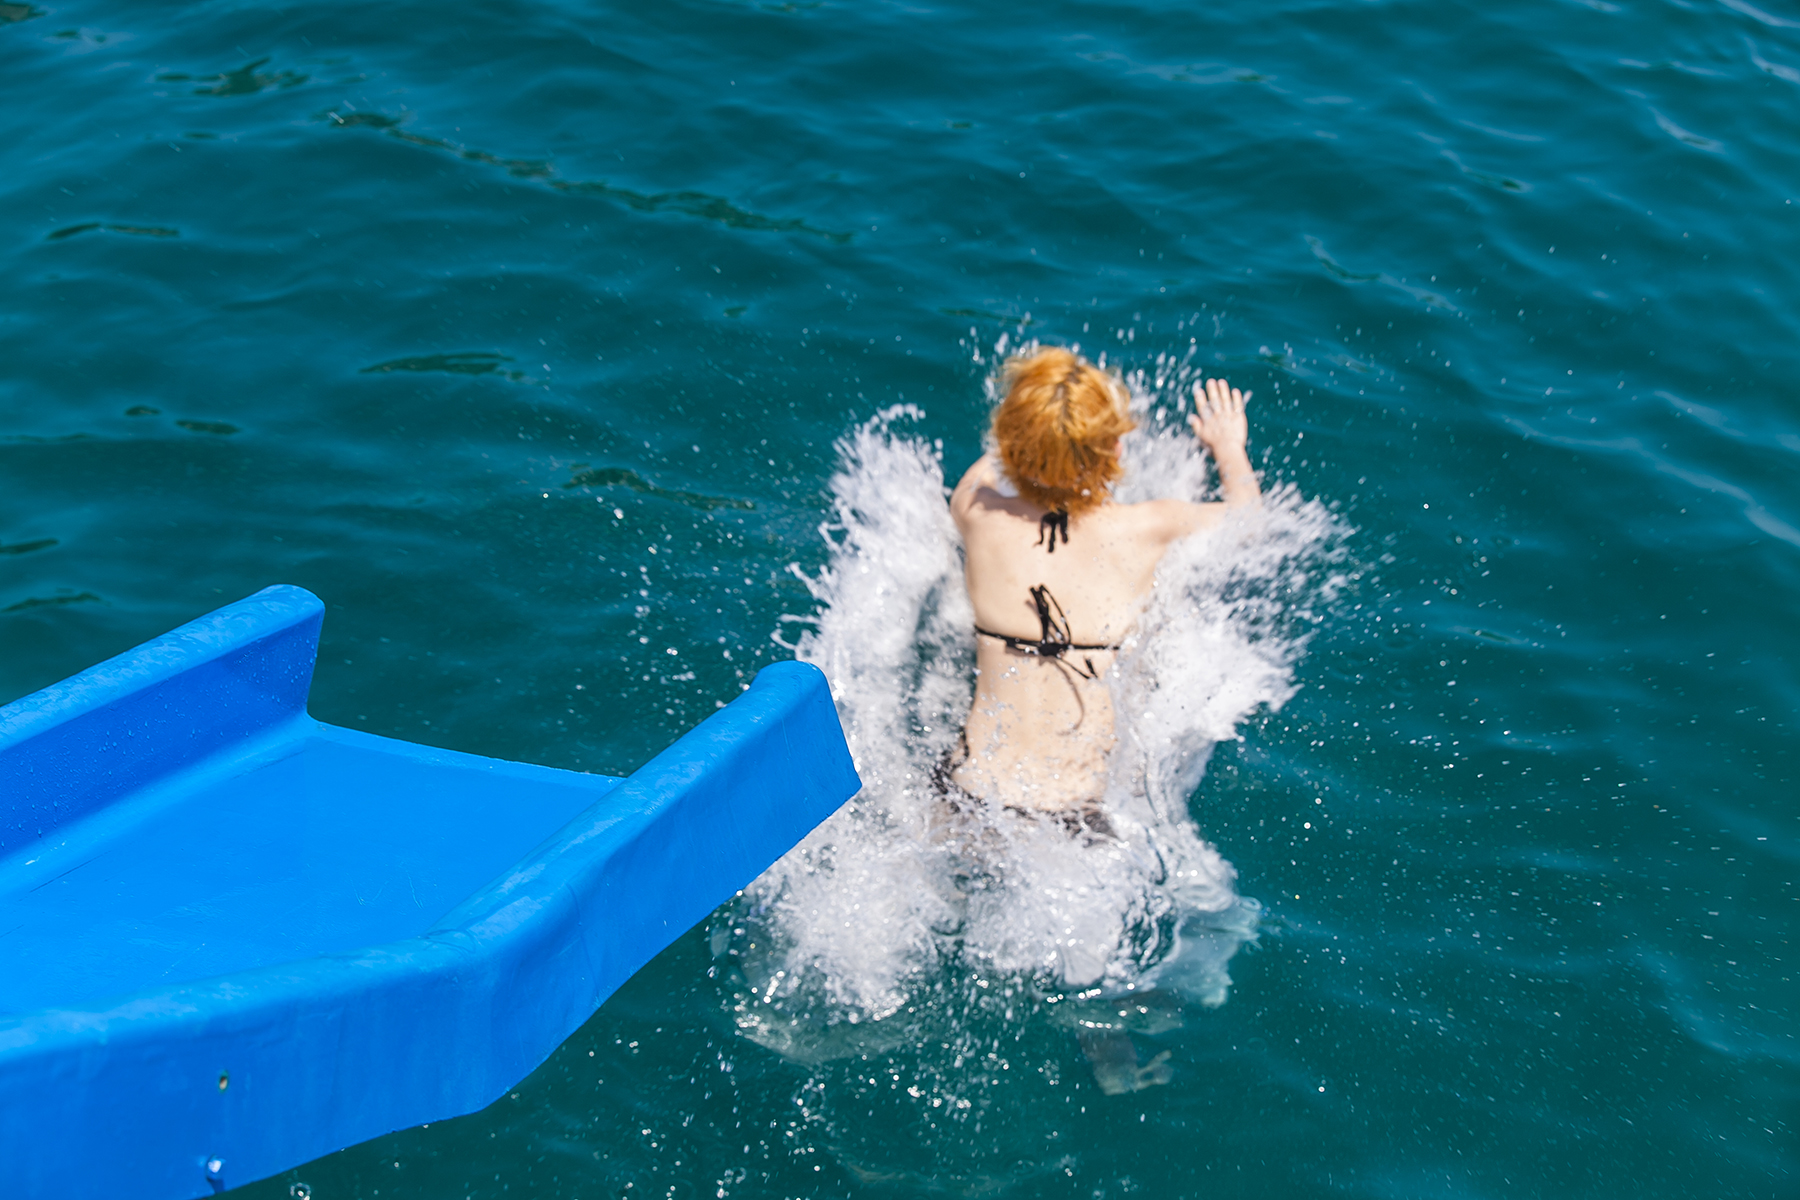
233	939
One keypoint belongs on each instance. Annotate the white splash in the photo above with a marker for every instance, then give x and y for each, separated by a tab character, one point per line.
850	927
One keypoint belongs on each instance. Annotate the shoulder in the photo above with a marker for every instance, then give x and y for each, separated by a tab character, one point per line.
981	492
1171	520
982	473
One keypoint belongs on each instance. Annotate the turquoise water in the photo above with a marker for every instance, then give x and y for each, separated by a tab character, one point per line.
524	335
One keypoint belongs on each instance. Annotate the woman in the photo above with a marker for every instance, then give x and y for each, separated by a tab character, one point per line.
1057	570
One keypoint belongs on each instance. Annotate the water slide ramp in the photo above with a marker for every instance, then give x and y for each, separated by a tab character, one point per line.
234	938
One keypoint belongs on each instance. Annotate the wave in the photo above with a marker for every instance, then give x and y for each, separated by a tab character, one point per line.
847	943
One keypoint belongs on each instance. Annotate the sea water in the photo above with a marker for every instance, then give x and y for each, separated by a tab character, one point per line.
586	358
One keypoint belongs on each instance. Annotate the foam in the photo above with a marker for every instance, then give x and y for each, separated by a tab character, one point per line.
862	917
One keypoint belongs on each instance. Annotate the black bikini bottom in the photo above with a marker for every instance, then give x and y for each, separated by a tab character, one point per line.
1086	819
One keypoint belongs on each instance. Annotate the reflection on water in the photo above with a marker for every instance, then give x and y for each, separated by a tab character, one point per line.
27	547
474	362
51	601
247	80
687	201
585	476
216	428
154	231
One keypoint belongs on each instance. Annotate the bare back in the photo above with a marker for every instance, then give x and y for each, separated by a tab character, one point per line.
1041	725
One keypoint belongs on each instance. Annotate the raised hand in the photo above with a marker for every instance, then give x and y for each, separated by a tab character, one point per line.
1220	424
1218	419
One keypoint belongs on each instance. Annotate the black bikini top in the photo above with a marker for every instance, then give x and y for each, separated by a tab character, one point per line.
1054	639
1053	630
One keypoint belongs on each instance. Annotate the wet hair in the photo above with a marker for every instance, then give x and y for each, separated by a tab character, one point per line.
1056	426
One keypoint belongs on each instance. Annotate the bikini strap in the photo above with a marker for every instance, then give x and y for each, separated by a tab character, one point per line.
1054	640
1053	626
1049	525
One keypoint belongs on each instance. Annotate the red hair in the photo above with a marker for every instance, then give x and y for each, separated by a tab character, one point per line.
1057	429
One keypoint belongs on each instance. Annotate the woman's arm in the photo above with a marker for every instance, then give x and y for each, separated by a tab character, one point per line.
1220	424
